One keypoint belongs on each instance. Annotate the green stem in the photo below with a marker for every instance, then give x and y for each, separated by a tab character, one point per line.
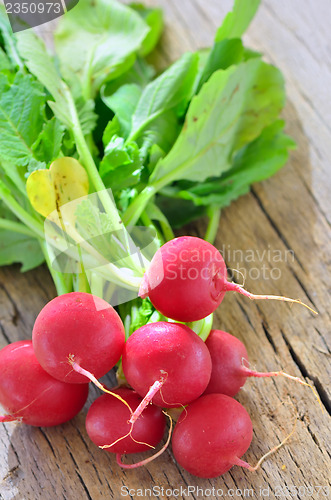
96	284
87	158
214	215
58	278
135	209
138	205
147	221
20	213
202	327
16	227
167	231
83	284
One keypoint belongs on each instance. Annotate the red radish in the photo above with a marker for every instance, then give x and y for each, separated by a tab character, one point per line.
228	356
82	328
230	365
187	280
168	362
211	435
107	423
31	395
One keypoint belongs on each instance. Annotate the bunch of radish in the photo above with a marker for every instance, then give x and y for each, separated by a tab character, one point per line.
78	338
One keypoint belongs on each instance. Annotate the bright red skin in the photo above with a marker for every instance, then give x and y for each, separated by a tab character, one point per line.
29	392
107	421
227	355
210	433
200	282
173	348
81	325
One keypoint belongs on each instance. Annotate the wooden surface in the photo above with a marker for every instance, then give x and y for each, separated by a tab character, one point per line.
290	212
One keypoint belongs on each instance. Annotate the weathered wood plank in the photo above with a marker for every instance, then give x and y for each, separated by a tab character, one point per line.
290	212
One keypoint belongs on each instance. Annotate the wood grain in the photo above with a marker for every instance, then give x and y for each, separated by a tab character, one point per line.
287	215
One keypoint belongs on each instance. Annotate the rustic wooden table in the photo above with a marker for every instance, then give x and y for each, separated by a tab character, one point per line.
283	231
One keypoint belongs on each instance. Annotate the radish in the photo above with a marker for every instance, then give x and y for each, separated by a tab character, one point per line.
229	365
81	329
187	280
167	363
107	423
31	395
211	435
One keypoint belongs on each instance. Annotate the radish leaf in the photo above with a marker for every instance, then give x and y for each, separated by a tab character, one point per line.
21	118
98	41
170	89
231	110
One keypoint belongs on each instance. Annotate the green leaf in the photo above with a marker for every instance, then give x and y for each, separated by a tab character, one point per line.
18	248
236	22
170	89
154	19
47	147
231	110
9	41
141	73
121	166
155	154
40	64
179	211
4	61
35	165
255	162
86	115
113	128
163	132
21	119
123	102
223	54
154	213
98	38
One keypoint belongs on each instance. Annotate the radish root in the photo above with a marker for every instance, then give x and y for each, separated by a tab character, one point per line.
77	368
234	287
106	446
10	418
246	465
149	459
251	373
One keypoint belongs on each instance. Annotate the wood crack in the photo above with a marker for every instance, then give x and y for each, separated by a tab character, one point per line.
12	446
203	13
188	30
305	373
77	471
181	474
247	318
274	226
83	485
265	327
323	340
3	331
315	200
48	441
307	47
17	314
42	287
309	297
